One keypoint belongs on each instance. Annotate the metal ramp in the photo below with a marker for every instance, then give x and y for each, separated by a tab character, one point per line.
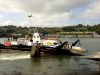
95	56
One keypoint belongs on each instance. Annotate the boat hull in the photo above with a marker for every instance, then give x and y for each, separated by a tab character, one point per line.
44	49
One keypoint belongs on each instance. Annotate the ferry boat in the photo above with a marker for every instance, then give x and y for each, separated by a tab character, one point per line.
36	38
48	45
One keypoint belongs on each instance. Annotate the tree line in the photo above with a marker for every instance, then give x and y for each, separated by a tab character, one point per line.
7	31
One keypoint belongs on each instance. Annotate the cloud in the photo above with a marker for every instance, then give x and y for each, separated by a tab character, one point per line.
1	16
93	11
40	6
4	21
51	20
45	12
7	22
9	6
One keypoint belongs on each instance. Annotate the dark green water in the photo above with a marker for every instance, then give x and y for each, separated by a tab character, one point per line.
20	63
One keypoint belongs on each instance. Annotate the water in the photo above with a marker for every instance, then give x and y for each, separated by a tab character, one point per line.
20	63
90	44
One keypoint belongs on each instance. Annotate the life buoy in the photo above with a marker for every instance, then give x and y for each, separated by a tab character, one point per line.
7	43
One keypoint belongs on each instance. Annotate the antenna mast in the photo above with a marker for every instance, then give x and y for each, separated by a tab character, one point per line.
30	22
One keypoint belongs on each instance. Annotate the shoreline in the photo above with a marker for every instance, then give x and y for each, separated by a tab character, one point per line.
73	36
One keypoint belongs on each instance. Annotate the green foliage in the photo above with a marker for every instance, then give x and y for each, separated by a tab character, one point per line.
11	29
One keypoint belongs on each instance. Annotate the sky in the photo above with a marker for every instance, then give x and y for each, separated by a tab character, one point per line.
49	13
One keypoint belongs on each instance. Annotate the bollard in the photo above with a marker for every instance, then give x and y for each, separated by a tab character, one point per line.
35	51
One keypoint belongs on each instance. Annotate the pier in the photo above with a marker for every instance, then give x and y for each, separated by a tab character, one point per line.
95	57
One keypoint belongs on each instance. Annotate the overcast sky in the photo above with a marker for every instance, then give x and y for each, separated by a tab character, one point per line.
49	13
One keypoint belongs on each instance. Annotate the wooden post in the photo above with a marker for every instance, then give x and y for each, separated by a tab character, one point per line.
35	51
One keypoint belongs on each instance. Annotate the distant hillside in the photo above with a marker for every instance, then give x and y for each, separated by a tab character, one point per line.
7	31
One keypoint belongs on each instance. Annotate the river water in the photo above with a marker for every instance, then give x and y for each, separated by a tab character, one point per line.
20	63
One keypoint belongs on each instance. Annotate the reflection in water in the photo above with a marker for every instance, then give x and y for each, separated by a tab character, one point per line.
20	63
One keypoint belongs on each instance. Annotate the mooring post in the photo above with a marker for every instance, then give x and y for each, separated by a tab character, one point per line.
35	51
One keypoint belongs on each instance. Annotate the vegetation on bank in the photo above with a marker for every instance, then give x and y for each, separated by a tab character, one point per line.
7	31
